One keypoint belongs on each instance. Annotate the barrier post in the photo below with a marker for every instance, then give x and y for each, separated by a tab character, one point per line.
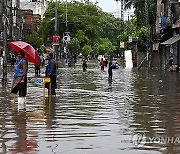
14	105
44	100
14	98
48	80
43	80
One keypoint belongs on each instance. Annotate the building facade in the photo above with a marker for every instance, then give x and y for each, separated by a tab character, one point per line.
37	6
168	30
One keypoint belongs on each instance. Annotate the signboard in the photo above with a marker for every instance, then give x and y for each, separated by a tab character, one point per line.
39	80
66	37
47	80
121	44
35	80
130	38
56	39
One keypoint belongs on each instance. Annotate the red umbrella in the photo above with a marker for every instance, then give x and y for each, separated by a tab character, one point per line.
30	53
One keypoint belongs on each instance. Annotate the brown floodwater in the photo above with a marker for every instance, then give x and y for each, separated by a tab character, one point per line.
90	115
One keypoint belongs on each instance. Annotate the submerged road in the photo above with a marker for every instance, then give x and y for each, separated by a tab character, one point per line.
89	115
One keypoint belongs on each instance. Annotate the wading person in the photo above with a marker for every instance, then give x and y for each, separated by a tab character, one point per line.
102	64
171	63
110	70
84	65
51	72
37	70
20	80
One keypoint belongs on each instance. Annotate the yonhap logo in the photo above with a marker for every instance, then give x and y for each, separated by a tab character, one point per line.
139	140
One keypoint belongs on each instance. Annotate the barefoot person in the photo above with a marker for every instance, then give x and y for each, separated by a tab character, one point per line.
20	79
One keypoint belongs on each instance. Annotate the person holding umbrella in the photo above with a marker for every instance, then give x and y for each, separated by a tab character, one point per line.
20	79
25	52
51	72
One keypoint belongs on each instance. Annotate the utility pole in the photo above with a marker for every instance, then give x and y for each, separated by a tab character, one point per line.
4	22
1	15
148	34
18	19
66	35
66	16
122	27
56	33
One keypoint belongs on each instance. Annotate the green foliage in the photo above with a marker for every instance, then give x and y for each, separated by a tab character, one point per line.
87	25
110	27
42	49
74	46
35	40
87	50
137	26
105	47
138	33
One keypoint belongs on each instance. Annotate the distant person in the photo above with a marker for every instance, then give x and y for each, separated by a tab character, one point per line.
171	63
106	62
12	59
70	61
51	72
42	60
1	57
75	59
110	70
37	70
84	65
20	80
102	64
115	64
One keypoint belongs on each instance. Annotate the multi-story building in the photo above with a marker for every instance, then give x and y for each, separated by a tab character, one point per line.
37	6
168	29
36	21
31	14
27	23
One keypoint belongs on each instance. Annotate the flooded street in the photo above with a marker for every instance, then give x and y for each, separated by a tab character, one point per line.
90	115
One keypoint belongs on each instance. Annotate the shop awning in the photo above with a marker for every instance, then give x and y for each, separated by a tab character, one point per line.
171	41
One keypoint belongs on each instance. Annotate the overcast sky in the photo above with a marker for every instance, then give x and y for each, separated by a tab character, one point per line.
111	6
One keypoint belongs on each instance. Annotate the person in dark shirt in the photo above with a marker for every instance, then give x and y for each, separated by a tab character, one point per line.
51	72
37	70
110	70
84	65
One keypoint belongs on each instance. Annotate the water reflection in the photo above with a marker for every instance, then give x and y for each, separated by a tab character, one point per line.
92	115
157	108
49	111
22	144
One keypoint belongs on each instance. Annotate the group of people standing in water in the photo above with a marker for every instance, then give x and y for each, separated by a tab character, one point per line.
112	64
19	84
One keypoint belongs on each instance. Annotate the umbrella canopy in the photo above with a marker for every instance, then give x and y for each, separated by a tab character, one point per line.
30	53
